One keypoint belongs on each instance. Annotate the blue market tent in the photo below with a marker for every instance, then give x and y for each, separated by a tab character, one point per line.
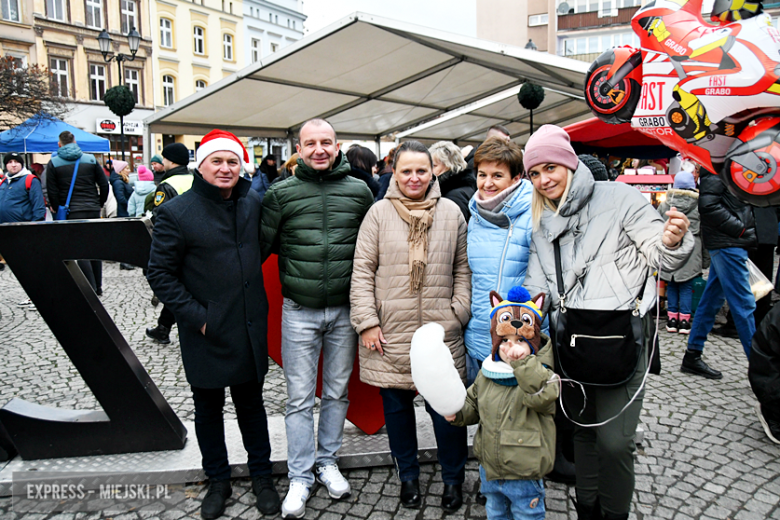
40	134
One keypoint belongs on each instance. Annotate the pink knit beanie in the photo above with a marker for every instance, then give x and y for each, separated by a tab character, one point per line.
549	144
144	174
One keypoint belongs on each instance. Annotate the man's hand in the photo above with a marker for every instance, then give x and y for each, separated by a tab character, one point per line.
373	338
675	227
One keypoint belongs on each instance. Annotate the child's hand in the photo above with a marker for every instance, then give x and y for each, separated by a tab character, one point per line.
449	418
513	352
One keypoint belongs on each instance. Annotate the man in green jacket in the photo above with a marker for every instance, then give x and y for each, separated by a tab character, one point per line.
311	221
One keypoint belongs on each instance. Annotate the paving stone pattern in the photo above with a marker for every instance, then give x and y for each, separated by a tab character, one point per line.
704	456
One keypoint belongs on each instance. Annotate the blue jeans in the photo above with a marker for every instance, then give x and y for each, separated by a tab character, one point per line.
402	434
679	296
306	333
728	279
473	366
513	499
252	422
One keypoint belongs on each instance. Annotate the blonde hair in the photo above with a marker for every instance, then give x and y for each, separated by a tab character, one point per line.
539	202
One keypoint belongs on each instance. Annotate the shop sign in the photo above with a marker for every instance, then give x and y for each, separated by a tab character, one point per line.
111	126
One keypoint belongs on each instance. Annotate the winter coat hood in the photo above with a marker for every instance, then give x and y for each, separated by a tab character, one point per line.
70	152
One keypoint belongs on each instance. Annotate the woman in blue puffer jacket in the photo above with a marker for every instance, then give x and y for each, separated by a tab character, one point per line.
499	238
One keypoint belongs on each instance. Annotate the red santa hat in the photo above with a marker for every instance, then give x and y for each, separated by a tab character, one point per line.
220	141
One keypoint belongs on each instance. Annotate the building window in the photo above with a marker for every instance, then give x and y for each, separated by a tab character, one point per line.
628	3
129	16
94	10
537	19
166	33
199	40
227	47
252	11
270	17
60	77
56	9
599	43
97	82
200	85
255	50
288	23
168	88
293	24
11	11
132	82
276	19
274	47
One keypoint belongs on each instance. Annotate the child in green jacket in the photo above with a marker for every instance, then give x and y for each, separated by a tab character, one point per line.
513	400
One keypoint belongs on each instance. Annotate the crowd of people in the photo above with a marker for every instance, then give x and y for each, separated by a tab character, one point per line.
369	251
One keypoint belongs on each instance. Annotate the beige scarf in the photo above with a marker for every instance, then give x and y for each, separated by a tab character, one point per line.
419	215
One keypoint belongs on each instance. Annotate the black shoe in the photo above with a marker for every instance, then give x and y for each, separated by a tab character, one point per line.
692	363
726	331
99	291
684	327
268	501
126	267
214	503
410	494
155	301
160	334
452	498
671	325
610	516
2	266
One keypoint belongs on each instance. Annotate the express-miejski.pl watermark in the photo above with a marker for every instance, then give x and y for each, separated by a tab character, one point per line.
38	491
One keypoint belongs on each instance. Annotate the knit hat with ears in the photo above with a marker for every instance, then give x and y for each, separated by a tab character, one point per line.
220	141
549	144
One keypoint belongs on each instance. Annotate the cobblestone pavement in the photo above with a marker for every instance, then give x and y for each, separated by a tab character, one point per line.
704	456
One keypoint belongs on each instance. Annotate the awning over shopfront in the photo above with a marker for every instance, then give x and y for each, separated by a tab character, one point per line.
374	77
595	136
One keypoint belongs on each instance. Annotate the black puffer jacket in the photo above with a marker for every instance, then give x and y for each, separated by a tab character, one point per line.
459	188
725	221
764	366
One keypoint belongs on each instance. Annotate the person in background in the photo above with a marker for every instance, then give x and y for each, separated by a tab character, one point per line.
411	268
288	168
90	192
177	181
143	187
156	165
494	131
764	255
679	283
268	167
259	180
205	265
385	175
457	182
728	230
120	184
595	166
362	160
21	195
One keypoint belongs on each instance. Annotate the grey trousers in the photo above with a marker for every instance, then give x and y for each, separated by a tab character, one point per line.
604	455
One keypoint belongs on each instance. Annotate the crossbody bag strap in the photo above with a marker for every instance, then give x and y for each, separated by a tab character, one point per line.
559	275
73	181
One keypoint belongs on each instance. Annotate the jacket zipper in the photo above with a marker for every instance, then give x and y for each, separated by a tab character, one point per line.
503	256
575	336
498	441
325	240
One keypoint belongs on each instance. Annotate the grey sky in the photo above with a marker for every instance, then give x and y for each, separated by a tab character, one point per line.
455	16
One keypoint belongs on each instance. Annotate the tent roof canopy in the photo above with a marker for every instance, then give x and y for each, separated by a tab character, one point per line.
372	77
40	134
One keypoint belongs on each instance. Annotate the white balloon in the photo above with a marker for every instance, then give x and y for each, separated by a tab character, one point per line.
433	370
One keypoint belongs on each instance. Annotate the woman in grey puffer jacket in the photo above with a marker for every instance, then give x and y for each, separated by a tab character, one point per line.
610	237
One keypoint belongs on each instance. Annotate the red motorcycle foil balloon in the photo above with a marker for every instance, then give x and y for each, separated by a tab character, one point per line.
711	92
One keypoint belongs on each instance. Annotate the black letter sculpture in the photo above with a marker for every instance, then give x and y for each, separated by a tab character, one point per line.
135	417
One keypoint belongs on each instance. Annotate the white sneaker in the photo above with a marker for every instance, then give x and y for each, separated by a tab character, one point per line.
26	304
330	477
294	505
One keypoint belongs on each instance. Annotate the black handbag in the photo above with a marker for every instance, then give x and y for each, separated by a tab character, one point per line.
595	347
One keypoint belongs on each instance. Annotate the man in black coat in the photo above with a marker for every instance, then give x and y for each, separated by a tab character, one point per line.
764	373
206	266
90	191
728	230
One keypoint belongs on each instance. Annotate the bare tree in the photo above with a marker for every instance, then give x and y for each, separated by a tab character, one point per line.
26	91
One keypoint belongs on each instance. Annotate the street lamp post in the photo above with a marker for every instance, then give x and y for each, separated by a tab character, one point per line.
133	40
